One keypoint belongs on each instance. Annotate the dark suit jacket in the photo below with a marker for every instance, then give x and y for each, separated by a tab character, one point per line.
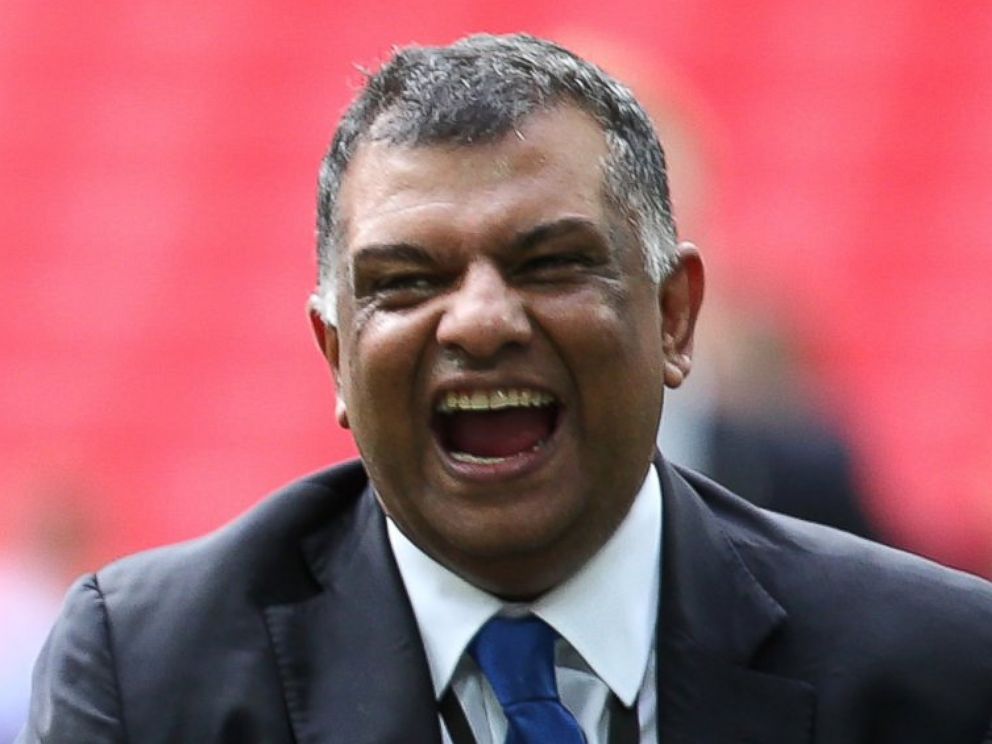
291	624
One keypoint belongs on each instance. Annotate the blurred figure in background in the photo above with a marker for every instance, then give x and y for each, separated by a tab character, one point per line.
42	557
762	432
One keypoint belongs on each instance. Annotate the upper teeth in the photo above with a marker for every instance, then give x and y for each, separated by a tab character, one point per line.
493	400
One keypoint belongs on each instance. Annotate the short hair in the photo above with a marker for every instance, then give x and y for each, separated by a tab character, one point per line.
478	90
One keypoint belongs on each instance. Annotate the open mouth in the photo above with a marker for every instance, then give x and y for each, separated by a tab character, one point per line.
487	427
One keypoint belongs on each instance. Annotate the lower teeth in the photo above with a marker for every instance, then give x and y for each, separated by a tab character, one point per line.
482	460
475	459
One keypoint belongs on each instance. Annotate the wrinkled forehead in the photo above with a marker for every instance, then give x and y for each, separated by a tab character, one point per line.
554	156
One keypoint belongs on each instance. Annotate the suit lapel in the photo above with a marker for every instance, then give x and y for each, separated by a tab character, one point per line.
350	656
713	620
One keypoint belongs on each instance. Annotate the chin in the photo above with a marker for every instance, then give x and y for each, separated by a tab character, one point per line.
510	538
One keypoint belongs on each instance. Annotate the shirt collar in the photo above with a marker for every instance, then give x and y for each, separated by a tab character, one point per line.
607	610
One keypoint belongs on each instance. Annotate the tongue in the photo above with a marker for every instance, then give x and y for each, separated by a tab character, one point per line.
497	433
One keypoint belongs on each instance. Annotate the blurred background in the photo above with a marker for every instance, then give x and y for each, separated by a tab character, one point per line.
157	170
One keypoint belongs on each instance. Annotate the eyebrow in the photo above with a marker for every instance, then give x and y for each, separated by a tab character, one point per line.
527	239
522	242
403	252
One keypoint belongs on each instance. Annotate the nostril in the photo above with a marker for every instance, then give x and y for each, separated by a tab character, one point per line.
482	329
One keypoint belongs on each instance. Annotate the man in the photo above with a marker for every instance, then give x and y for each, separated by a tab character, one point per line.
502	300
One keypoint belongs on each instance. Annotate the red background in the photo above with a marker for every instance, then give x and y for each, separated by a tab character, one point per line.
158	164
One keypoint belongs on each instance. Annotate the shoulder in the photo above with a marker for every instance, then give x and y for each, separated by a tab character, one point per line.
242	557
856	607
142	643
818	560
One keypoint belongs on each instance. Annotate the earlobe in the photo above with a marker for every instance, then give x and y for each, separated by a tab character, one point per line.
673	376
326	337
677	367
341	410
680	297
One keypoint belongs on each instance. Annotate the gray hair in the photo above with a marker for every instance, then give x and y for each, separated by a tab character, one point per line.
478	90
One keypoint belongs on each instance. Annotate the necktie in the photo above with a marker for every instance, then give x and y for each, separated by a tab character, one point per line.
518	658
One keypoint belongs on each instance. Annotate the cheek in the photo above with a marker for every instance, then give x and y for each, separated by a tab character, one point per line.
612	348
612	328
381	362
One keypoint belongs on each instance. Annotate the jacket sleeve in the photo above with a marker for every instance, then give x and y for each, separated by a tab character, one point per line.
74	692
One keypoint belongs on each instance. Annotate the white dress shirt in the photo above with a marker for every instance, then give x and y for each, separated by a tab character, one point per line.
605	614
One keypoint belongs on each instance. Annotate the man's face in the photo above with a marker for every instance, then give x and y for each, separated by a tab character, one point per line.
499	351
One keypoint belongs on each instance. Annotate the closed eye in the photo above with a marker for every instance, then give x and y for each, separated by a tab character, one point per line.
394	274
405	282
556	261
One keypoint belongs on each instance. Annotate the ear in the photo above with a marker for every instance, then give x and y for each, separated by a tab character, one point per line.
327	341
679	298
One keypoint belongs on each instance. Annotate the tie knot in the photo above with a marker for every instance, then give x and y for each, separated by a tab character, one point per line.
517	655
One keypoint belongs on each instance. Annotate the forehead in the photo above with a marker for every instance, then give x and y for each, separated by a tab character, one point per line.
552	165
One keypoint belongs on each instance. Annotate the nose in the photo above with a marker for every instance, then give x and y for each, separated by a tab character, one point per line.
484	315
